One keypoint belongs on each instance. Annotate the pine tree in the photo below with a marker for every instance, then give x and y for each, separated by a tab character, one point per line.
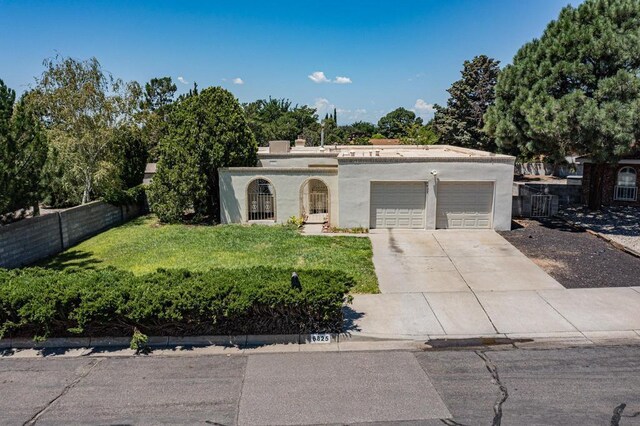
575	90
23	151
460	123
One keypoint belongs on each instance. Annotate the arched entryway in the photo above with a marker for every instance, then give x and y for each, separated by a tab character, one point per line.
261	200
314	201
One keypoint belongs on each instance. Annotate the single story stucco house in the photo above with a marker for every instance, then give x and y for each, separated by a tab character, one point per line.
369	186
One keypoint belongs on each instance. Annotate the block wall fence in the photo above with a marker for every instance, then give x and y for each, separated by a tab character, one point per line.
33	239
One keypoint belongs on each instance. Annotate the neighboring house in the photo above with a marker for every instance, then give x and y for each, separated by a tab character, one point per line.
620	186
149	172
401	186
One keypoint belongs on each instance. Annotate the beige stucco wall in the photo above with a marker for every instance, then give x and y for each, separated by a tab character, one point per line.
287	184
297	161
355	184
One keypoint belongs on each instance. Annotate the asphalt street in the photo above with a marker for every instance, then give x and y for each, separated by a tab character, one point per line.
570	386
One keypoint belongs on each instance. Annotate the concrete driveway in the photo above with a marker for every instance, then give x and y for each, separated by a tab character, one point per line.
446	261
451	283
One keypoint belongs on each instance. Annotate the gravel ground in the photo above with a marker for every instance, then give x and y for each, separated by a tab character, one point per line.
620	224
576	259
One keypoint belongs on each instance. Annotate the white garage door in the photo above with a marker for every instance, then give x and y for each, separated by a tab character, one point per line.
464	205
398	205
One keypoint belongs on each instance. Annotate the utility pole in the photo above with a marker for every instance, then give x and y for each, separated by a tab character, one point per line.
322	134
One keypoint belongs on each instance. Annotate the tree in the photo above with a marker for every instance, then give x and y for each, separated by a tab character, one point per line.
80	106
158	96
421	135
461	122
363	129
275	119
575	90
23	151
396	124
129	154
206	131
357	133
159	93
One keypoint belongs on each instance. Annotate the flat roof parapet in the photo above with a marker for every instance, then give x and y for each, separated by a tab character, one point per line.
382	152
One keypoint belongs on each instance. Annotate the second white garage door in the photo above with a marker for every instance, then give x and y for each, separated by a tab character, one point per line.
398	205
464	205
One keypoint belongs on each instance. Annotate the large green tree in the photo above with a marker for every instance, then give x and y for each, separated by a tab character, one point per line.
207	131
276	119
397	123
461	122
157	97
421	135
81	106
575	90
23	151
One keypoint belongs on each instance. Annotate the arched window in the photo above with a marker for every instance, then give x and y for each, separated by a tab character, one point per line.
261	200
626	188
627	177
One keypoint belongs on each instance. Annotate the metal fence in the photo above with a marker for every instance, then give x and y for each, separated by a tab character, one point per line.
318	203
541	205
261	200
626	193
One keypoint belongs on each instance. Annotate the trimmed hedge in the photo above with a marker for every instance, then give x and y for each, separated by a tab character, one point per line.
40	303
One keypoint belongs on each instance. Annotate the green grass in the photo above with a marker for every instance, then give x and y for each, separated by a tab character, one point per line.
143	245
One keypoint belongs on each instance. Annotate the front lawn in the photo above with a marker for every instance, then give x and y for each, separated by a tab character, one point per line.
143	245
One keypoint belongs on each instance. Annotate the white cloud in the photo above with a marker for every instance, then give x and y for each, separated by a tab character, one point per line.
182	80
423	107
321	104
342	80
238	80
318	77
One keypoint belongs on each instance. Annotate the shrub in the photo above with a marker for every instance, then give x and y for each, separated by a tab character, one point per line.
139	342
39	303
122	197
295	221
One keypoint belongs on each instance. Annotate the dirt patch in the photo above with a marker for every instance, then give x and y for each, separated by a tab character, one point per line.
551	264
576	259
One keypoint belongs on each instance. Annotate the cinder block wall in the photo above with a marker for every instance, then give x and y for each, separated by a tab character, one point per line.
567	194
30	240
81	222
33	239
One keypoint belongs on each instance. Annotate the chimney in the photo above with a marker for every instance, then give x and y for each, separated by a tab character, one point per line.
279	147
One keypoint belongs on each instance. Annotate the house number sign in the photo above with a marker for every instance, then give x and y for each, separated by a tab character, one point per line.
321	338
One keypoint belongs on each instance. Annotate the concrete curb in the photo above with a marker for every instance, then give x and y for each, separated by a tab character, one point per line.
169	341
339	342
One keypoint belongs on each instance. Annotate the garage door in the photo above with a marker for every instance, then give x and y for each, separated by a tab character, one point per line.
464	205
398	205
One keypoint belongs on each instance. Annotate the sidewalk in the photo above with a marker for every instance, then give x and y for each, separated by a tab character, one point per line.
604	313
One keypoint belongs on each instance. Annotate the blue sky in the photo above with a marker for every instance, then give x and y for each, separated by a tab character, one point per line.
389	54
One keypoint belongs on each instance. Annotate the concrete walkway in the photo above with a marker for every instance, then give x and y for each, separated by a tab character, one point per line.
438	284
